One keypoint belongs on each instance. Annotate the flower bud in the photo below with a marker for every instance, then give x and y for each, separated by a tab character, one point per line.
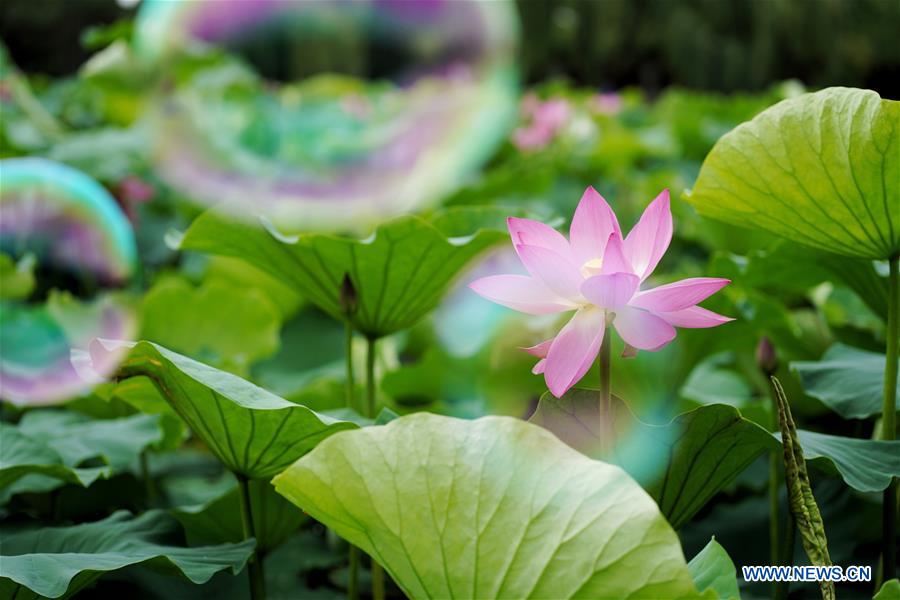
766	358
349	299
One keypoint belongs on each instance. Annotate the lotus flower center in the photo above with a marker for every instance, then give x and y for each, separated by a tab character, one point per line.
592	267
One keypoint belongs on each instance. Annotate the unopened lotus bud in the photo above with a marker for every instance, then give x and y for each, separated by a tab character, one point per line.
766	358
349	298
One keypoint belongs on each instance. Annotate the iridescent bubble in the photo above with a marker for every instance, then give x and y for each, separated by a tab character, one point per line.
65	249
428	92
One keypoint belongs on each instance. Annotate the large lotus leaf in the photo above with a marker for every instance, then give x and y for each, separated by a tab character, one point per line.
491	508
864	465
78	438
682	464
219	520
51	447
186	319
21	456
685	462
252	431
799	268
711	383
137	394
57	561
848	380
820	169
400	273
713	569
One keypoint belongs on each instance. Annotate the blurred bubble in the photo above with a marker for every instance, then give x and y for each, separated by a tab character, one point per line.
338	113
65	249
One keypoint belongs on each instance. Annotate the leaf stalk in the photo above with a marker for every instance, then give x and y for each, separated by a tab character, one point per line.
605	401
377	571
254	565
353	557
605	377
889	419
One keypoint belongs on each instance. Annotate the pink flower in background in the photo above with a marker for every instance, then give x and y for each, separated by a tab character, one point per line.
598	274
606	103
132	191
545	121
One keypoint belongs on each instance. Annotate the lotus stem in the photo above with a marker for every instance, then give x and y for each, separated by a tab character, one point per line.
774	542
889	419
353	558
353	574
767	362
774	466
254	565
605	378
149	487
377	571
370	378
605	402
787	556
348	353
377	581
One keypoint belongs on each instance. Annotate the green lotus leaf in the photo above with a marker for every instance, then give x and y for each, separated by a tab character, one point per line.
59	561
78	438
491	508
890	589
847	380
219	520
820	169
186	319
711	383
21	456
52	447
788	266
399	274
685	462
681	464
252	431
864	465
713	569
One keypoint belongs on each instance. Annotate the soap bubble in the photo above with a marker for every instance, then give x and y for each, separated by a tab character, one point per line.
426	92
65	250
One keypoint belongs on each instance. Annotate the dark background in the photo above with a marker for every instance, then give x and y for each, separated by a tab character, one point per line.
723	45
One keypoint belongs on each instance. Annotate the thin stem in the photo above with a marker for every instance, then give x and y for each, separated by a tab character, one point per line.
787	556
377	581
254	565
353	575
605	400
774	465
370	378
55	508
149	487
605	378
889	419
348	357
353	567
377	571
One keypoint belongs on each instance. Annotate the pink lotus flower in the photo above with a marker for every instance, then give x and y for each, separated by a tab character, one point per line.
546	120
598	274
606	103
